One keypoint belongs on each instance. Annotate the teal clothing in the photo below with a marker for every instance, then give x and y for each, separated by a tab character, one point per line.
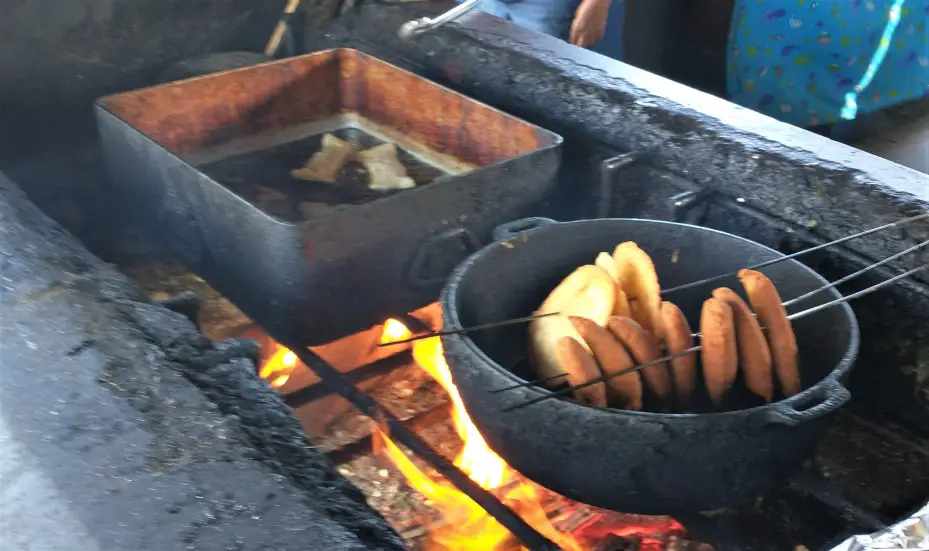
796	60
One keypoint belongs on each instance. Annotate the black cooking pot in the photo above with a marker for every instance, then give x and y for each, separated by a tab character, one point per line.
639	462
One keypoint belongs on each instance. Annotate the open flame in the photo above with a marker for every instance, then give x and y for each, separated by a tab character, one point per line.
465	525
278	368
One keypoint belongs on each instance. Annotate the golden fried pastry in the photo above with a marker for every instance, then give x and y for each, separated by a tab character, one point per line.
754	354
325	164
605	262
588	292
623	390
677	338
385	171
621	306
719	353
645	348
637	276
581	367
767	305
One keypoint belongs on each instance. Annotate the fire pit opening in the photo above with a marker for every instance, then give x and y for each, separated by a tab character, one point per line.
412	382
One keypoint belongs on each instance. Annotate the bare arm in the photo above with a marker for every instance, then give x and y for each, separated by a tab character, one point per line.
589	22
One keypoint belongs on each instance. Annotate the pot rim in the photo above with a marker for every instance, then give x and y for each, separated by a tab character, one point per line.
450	313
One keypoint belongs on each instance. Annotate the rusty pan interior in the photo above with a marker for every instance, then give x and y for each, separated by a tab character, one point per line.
248	128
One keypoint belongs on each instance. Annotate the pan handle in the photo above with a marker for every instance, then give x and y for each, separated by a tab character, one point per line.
516	228
831	396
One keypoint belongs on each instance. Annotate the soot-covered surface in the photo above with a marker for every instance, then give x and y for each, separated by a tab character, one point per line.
122	427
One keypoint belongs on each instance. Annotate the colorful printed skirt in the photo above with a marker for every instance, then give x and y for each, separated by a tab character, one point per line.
795	60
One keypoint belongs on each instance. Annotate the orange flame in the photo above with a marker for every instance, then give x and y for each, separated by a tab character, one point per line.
277	370
394	331
467	526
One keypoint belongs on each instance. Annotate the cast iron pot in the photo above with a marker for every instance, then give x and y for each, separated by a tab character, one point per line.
639	462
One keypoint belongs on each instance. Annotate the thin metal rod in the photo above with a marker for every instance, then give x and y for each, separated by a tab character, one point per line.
528	535
853	296
792	317
416	27
864	270
471	329
798	253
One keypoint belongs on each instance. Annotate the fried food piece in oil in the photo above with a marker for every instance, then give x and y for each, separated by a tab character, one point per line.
719	352
588	292
781	338
677	338
645	348
754	355
623	390
638	278
581	367
325	164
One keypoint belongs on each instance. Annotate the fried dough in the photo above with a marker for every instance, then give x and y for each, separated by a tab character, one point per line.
637	276
719	353
781	338
588	292
645	348
606	263
621	305
325	164
581	367
385	171
677	338
612	357
754	354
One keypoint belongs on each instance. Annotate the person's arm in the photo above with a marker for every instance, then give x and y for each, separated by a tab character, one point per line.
589	22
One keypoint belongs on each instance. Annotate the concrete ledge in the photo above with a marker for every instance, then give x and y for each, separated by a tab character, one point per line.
107	438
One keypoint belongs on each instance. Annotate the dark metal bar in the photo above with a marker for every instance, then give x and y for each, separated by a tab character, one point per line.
414	324
363	446
608	169
529	537
319	390
815	486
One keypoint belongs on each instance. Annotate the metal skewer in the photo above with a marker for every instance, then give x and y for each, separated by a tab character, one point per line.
525	319
491	325
792	317
798	253
866	269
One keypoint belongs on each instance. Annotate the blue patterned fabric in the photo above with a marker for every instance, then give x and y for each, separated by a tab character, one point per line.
796	60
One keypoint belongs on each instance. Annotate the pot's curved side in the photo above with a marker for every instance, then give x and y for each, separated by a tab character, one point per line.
626	462
639	462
